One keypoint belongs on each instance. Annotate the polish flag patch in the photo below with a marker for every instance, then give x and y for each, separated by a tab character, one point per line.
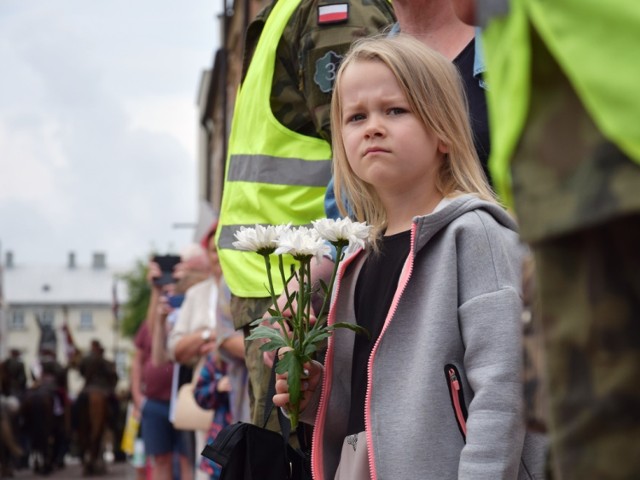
335	13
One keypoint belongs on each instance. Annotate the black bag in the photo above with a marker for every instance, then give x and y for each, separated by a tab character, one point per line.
249	452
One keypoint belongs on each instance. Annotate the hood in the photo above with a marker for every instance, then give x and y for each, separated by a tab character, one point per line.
429	225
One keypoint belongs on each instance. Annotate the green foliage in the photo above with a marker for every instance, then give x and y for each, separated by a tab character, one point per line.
134	311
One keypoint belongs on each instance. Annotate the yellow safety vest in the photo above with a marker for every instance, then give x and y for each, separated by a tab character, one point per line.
273	175
596	44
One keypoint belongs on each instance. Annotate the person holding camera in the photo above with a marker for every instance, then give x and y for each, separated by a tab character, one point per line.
192	269
193	336
151	386
152	373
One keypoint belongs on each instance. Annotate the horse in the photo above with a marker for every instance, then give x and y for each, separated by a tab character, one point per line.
37	411
92	408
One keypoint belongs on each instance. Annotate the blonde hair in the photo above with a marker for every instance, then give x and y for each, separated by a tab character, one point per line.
434	90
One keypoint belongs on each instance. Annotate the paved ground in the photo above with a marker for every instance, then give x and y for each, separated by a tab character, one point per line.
73	470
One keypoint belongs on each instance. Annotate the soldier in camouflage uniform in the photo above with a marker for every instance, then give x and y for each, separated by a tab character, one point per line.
307	58
575	190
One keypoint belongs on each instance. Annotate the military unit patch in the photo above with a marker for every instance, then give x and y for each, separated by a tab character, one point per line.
335	13
326	70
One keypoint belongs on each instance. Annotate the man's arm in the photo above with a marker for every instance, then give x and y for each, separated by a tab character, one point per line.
136	379
185	344
159	352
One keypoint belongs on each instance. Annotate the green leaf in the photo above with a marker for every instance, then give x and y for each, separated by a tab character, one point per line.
317	336
290	300
263	331
356	328
271	320
283	362
272	345
310	349
134	310
256	322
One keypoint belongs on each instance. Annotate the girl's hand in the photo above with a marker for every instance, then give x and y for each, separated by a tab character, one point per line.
309	384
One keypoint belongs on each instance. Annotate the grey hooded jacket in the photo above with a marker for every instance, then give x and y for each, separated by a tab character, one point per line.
457	309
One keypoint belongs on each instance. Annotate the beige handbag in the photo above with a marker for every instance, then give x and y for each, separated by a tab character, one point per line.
188	414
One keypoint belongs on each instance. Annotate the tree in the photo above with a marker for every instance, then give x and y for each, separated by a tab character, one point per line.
134	311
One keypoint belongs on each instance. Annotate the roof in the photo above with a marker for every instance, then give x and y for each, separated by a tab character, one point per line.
56	285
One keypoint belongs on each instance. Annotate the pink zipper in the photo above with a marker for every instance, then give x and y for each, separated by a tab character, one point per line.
402	283
455	397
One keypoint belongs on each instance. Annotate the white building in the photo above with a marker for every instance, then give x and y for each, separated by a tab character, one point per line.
80	295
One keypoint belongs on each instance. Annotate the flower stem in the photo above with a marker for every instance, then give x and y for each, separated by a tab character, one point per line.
327	296
285	283
294	414
279	319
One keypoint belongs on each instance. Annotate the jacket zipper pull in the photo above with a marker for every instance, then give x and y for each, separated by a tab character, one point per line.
455	395
454	379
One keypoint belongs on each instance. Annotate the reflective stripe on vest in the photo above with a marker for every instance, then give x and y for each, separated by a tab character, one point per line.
273	175
279	171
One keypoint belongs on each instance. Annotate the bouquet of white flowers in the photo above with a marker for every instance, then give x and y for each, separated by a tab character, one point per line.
297	331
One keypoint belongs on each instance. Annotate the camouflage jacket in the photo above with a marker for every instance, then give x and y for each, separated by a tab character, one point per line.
565	140
308	57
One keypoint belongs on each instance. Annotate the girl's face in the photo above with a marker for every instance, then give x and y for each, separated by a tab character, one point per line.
387	145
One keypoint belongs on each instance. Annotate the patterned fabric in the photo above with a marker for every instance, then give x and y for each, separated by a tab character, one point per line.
309	55
595	44
590	291
566	175
207	396
236	367
576	196
245	310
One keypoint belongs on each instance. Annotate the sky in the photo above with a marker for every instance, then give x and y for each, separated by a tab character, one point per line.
98	126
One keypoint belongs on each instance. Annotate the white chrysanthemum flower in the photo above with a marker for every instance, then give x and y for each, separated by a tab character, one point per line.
343	230
302	242
260	239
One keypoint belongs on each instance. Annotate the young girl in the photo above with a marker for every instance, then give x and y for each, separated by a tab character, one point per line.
435	392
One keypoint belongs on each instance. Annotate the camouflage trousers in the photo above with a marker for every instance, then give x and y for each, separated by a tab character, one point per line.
578	204
589	293
243	312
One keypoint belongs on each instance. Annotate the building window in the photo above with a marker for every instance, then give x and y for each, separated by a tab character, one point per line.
47	318
86	321
16	320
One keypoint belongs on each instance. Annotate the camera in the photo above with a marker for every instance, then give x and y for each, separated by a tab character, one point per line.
166	264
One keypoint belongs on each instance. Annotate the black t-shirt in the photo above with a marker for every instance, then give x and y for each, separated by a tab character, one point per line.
477	103
374	292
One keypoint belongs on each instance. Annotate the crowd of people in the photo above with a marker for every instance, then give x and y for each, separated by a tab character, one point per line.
497	169
187	338
41	422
